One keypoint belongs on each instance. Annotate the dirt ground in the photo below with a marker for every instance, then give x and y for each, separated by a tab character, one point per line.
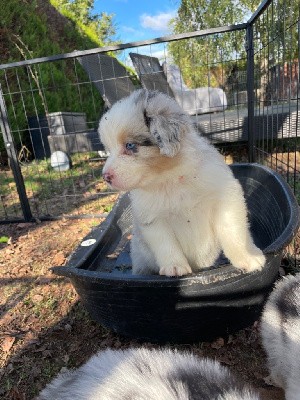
44	328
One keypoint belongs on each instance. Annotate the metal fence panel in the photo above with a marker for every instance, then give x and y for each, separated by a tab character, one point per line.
54	104
277	93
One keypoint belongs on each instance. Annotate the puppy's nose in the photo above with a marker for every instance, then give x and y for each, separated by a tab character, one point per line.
108	177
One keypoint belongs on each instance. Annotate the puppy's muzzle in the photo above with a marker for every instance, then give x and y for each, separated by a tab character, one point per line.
108	177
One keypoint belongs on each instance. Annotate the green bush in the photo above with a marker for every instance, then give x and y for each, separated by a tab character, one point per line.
26	32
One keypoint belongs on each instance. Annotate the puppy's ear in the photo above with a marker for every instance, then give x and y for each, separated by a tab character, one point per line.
166	122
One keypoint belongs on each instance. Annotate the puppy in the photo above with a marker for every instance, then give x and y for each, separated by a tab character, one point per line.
147	375
280	330
186	204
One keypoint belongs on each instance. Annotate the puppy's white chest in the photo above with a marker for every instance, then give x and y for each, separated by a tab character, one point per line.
195	235
190	222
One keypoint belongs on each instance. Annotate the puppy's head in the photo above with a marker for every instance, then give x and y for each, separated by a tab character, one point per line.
143	134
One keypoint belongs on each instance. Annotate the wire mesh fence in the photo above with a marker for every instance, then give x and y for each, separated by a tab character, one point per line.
276	34
240	84
276	59
50	110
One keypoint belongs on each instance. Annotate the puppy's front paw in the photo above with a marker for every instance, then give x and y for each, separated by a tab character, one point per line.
175	270
251	262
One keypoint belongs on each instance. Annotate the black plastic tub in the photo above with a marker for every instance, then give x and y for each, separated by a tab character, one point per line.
197	307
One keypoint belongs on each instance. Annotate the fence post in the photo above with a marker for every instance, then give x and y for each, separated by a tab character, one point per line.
13	159
250	92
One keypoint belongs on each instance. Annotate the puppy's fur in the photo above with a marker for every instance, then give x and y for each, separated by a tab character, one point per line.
147	375
186	204
280	329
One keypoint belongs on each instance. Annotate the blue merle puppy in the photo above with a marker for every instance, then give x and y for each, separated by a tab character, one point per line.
280	330
143	374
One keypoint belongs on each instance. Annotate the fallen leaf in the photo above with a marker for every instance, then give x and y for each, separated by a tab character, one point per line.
25	225
7	343
37	298
9	251
43	280
59	259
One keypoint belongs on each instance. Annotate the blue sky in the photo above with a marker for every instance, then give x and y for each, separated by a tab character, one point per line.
139	19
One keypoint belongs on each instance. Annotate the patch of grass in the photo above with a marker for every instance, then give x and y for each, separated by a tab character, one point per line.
60	192
7	182
49	369
42	180
108	208
296	188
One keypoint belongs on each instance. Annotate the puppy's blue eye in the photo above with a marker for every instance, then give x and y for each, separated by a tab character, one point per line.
131	146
